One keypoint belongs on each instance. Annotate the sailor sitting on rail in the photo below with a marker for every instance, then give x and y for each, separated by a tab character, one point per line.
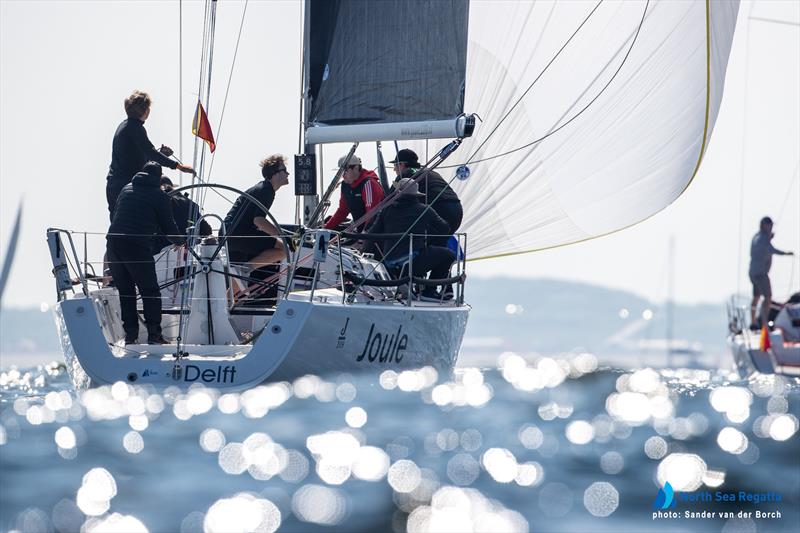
408	215
246	225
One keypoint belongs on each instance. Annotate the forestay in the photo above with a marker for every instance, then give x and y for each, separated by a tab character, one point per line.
630	103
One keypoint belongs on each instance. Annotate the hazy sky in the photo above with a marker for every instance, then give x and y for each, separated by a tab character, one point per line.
65	68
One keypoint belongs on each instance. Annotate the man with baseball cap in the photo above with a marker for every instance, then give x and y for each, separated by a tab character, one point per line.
185	212
437	193
761	251
408	215
361	192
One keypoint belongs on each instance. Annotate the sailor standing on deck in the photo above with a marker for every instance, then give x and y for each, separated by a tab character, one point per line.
142	210
361	193
761	251
131	148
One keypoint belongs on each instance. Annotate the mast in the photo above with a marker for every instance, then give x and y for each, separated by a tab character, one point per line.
307	202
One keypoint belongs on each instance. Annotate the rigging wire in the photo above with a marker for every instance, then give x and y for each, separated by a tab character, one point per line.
571	119
227	91
538	77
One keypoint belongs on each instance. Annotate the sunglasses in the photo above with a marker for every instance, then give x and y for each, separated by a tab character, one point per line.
351	167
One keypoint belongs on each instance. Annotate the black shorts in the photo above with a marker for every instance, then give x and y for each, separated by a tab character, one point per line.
243	249
761	286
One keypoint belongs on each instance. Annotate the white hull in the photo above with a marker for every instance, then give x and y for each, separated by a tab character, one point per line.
751	360
302	337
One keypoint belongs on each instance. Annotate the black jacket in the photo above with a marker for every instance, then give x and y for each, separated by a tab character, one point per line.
431	184
399	217
184	212
143	210
130	150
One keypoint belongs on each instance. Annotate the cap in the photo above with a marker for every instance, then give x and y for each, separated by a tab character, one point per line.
409	157
766	220
354	160
407	187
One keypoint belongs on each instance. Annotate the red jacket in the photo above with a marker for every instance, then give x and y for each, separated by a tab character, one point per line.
367	188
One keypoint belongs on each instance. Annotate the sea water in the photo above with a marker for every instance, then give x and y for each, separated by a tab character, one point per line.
528	444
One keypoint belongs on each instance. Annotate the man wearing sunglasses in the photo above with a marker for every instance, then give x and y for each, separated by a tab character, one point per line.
252	239
361	192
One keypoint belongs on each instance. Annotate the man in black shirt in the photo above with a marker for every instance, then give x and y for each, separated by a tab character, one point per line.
131	148
142	210
246	225
436	192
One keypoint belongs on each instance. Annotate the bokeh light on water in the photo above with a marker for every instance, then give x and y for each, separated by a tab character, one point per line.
538	441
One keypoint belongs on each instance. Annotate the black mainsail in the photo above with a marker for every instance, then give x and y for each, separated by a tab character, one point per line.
383	70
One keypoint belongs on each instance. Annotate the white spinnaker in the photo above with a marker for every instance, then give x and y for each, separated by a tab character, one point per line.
631	153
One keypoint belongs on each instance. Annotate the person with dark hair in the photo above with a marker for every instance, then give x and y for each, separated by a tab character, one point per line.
252	239
361	193
408	215
185	213
142	210
761	251
437	193
131	149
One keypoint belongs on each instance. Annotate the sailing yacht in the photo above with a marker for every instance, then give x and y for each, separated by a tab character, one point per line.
579	132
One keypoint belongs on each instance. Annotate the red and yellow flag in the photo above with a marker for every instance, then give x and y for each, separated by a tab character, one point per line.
764	343
201	127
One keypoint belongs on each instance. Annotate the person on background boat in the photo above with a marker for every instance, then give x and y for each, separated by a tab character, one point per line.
142	210
761	251
438	194
361	193
184	211
131	148
252	239
408	214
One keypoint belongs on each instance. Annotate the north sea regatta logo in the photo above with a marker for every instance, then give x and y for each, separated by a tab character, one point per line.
665	497
719	504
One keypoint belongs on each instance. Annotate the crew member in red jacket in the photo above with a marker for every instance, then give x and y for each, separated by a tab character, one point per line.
361	192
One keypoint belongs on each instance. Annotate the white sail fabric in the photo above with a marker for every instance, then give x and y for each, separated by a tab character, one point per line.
629	154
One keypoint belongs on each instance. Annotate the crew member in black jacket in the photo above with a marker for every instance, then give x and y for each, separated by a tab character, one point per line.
408	214
131	149
185	213
142	210
437	193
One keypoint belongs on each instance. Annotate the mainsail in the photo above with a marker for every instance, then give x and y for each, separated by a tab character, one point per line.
609	104
385	70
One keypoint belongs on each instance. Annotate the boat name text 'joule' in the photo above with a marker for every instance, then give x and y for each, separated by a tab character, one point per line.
384	347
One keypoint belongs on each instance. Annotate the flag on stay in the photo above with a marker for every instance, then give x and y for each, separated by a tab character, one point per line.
201	127
764	344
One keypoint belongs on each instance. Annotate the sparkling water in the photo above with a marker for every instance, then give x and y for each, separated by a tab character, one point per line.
529	444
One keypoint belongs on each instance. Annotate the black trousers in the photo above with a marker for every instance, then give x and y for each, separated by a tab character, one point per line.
132	266
452	213
434	259
113	188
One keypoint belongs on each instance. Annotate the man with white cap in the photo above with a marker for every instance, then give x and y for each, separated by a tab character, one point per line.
361	193
408	215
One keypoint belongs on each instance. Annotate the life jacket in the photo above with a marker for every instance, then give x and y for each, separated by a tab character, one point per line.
353	194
